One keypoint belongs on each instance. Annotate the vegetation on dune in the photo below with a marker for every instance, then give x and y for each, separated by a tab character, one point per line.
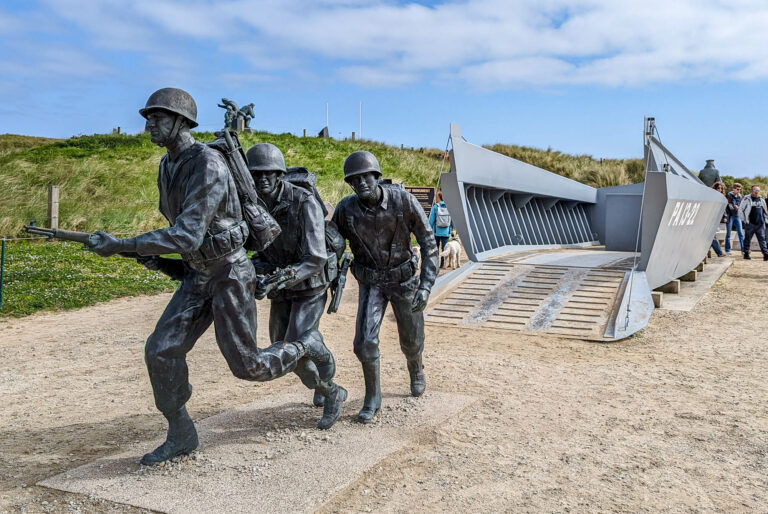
109	182
10	143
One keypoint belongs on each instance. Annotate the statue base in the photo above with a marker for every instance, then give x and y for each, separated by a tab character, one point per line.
264	457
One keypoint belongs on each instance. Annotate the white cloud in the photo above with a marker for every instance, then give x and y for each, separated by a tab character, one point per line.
487	44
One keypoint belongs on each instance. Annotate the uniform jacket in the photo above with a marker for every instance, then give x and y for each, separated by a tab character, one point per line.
301	244
374	236
199	199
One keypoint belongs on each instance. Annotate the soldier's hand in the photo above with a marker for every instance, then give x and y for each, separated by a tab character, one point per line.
149	262
107	244
420	300
262	287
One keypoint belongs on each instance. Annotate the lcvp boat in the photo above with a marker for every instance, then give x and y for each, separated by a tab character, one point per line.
552	255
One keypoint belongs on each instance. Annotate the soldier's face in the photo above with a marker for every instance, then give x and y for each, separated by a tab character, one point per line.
159	125
265	181
364	185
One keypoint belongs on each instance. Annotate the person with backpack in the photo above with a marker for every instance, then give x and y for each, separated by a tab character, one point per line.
442	224
201	202
298	305
378	221
732	217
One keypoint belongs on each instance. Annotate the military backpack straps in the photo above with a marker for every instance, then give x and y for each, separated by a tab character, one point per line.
301	177
263	229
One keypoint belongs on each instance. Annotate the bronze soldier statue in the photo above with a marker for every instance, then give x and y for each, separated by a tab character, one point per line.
378	222
296	307
198	197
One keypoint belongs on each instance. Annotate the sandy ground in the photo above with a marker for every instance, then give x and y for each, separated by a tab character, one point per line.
672	419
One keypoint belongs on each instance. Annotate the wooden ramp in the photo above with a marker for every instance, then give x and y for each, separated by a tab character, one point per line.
536	295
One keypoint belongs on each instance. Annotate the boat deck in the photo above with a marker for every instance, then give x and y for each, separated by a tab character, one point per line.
568	293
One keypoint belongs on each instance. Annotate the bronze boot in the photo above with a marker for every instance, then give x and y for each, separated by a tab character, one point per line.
372	402
418	380
181	439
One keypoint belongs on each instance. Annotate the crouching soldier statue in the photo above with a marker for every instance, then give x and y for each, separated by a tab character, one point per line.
378	222
301	248
198	196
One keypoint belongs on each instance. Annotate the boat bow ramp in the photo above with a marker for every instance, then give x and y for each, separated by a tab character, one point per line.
550	255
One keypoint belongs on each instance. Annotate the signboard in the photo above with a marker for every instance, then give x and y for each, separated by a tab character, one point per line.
425	196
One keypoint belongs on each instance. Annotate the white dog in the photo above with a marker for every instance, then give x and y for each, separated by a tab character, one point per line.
416	249
452	250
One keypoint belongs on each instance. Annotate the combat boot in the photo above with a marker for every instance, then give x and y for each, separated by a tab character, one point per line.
418	380
372	402
326	371
181	439
332	406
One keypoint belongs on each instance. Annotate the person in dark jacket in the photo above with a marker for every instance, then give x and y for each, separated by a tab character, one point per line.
378	222
754	214
298	305
199	199
732	217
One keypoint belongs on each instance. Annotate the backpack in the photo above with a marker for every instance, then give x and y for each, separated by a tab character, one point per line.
262	227
300	176
442	217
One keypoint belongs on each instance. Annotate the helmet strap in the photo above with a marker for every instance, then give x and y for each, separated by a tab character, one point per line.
176	127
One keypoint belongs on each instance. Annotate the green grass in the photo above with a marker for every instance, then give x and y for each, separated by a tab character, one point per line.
55	276
109	182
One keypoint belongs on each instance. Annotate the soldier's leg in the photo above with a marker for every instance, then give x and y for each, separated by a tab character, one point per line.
305	316
370	311
234	318
410	329
185	319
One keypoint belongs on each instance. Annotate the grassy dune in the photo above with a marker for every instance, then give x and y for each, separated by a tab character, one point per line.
109	182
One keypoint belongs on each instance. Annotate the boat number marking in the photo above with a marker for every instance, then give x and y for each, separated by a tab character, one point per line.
684	213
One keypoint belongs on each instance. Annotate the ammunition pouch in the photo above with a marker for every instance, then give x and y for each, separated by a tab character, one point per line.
394	275
216	246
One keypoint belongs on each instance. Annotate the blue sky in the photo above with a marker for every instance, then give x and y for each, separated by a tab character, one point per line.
574	75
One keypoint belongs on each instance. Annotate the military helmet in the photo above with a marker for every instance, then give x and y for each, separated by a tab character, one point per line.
172	100
361	162
265	157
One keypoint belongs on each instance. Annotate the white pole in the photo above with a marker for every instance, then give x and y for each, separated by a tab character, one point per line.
360	122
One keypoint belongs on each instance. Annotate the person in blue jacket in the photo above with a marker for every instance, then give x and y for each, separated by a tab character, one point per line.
442	224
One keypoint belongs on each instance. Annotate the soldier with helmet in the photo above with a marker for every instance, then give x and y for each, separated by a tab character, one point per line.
199	199
301	247
378	222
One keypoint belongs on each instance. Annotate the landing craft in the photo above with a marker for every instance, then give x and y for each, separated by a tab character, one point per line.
552	255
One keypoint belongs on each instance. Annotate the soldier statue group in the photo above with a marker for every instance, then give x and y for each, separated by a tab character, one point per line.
199	197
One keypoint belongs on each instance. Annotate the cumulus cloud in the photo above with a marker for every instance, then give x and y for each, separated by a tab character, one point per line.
484	44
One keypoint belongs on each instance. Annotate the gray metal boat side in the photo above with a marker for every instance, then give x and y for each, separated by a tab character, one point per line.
679	223
502	206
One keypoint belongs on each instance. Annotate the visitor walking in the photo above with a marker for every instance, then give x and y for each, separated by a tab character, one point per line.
442	224
732	217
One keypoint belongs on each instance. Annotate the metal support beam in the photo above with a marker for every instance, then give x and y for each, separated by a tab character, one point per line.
497	195
520	201
569	204
548	203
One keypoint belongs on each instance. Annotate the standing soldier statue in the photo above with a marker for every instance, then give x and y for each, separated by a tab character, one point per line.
297	306
378	222
198	196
